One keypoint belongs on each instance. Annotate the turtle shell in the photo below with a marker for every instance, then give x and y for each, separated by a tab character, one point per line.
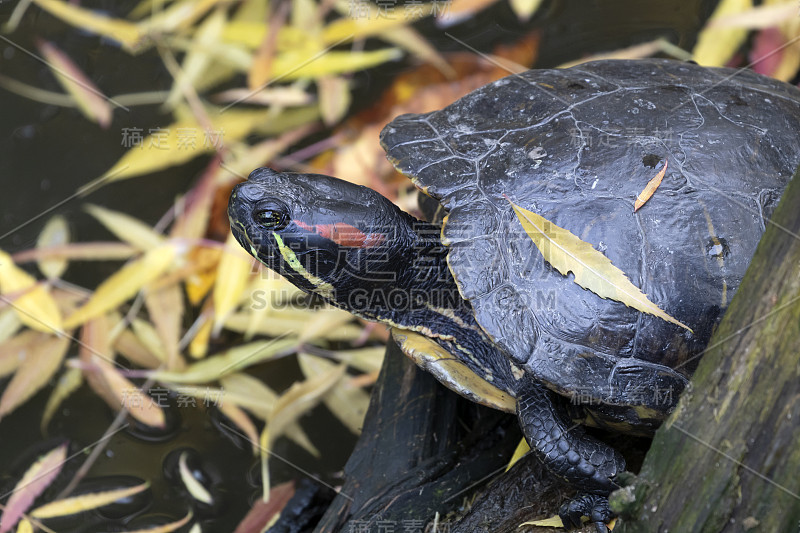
577	146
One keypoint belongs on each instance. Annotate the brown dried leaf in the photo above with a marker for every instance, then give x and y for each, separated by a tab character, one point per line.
650	188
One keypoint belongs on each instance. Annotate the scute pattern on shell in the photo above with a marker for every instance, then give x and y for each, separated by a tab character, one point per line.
576	146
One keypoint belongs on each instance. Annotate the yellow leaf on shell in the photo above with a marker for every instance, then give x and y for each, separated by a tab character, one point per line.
125	283
650	188
33	303
592	270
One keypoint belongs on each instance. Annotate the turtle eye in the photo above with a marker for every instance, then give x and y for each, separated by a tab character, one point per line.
272	216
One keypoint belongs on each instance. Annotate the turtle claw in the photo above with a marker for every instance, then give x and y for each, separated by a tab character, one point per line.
591	505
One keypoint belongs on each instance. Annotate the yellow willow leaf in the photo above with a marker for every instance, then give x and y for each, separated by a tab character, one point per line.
231	360
128	396
593	271
525	9
69	382
54	233
85	502
334	98
275	326
195	488
86	251
348	403
182	141
134	350
715	46
35	480
366	360
39	364
241	421
126	228
33	304
91	102
148	336
9	324
165	307
166	528
127	34
295	65
205	261
553	521
198	347
413	42
458	10
197	58
324	322
125	283
24	526
757	18
520	452
233	274
650	188
374	22
263	291
301	398
14	350
178	16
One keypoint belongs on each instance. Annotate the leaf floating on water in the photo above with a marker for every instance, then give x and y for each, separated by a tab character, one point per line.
127	34
126	227
593	270
85	502
166	528
39	363
33	303
650	188
125	283
69	382
36	479
55	233
348	403
93	104
262	513
195	488
233	274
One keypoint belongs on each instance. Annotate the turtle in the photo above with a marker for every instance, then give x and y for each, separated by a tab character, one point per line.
474	300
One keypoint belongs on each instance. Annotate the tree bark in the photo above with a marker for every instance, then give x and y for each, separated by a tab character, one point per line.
728	458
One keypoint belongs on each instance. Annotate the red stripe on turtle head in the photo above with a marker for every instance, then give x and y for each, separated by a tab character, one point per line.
344	234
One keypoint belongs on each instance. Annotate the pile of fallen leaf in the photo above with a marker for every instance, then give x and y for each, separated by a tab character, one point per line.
181	285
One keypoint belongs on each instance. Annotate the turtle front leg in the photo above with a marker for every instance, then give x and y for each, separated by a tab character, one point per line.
569	453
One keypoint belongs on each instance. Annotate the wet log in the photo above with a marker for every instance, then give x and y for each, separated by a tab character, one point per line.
728	458
423	449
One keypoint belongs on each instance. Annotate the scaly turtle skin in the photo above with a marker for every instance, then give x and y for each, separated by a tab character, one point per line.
480	308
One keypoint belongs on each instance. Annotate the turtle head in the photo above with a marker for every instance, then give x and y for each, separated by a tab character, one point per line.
325	235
